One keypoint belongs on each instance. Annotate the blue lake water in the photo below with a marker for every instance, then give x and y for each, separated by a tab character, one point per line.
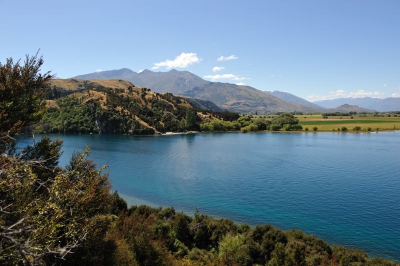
343	188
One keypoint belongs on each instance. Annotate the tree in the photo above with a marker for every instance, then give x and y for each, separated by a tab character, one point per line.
285	120
190	118
45	211
48	211
22	90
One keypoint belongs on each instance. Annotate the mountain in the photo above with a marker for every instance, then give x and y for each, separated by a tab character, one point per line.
292	98
172	81
242	99
245	99
346	108
380	105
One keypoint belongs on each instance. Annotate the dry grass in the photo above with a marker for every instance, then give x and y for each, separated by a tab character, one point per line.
67	84
52	104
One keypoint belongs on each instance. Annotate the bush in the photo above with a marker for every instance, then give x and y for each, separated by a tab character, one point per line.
275	127
249	128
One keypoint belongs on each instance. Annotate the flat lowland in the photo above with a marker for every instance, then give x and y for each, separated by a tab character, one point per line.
355	123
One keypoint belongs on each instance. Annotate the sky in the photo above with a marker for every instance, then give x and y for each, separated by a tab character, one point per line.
314	49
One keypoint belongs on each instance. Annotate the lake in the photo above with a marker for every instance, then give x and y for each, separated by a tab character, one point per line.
343	188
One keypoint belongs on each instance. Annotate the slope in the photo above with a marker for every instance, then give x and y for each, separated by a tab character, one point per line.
291	98
245	99
115	106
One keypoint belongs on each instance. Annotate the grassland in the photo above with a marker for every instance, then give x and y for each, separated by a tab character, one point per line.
364	122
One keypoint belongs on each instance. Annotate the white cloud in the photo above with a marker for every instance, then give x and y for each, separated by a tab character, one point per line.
183	60
275	76
241	84
99	70
227	58
363	93
343	94
395	95
140	71
217	68
224	76
384	85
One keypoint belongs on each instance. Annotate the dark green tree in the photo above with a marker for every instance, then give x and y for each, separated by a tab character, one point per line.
45	211
286	121
22	90
190	118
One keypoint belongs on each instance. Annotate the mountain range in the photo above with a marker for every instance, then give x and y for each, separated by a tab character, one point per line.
380	105
232	97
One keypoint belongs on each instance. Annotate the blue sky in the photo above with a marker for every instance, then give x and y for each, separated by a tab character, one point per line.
313	49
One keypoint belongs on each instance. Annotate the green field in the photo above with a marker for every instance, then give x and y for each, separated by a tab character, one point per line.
332	123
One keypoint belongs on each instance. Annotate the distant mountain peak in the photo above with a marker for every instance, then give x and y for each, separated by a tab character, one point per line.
146	71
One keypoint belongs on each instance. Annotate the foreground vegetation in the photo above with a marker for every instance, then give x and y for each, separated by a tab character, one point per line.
68	216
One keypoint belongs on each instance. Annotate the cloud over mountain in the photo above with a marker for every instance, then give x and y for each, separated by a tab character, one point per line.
227	58
224	76
181	61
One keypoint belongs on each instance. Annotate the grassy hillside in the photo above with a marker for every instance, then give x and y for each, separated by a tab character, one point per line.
115	106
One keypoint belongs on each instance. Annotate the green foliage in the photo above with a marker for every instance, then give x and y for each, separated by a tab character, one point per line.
244	120
262	124
22	87
45	211
244	123
220	125
49	210
249	128
234	248
156	236
285	121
